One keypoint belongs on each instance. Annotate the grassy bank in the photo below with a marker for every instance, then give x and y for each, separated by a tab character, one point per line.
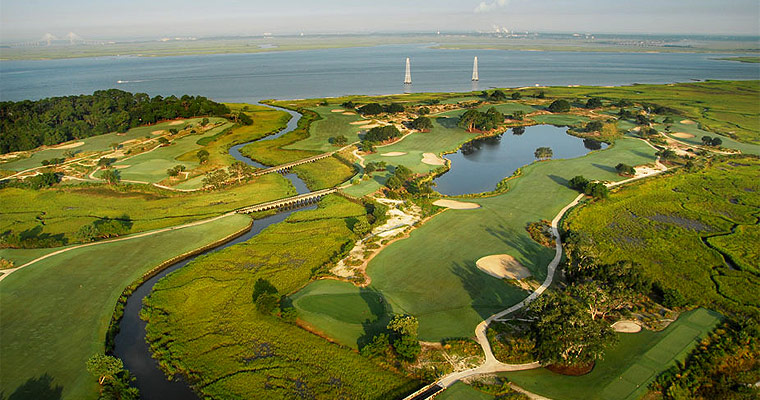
255	355
56	312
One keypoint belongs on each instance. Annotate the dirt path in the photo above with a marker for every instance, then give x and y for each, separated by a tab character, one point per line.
491	364
120	239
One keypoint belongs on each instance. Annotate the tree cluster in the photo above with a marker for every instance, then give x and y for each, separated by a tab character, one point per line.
712	141
115	381
105	228
558	106
376	108
28	124
473	120
597	190
175	170
380	134
422	124
401	336
625	169
543	153
593	103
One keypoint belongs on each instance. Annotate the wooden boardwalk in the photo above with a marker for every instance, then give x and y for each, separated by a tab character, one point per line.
285	167
298	200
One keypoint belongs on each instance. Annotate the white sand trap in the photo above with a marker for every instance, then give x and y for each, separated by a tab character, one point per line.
347	113
393	154
687	122
177	122
158	132
360	122
626	327
121	166
456	205
432	159
337	110
682	135
502	266
70	145
370	126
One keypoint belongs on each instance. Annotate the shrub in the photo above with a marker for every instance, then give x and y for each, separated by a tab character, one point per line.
625	169
594	126
395	108
422	124
559	106
371	109
578	183
593	103
381	134
597	190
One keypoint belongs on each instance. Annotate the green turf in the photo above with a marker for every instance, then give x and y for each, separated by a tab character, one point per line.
407	271
332	124
255	356
694	129
22	256
560	119
628	367
462	391
735	245
55	313
151	166
95	143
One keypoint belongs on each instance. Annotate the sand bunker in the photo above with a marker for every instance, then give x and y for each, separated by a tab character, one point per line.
687	122
626	327
360	122
502	266
682	135
121	166
158	132
393	154
348	113
177	122
70	145
370	126
456	205
337	110
432	159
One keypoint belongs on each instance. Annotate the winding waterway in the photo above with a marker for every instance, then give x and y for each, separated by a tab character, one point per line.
130	344
480	164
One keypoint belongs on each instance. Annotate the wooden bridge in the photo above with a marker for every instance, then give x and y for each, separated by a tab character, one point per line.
299	200
285	167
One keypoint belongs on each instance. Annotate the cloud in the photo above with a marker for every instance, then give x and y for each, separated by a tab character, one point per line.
485	7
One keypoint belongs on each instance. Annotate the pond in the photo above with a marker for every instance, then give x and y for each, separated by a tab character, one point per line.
482	163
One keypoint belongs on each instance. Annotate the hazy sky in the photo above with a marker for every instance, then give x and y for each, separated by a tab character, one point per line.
102	19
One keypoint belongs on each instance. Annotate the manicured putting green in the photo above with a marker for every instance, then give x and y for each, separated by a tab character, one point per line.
628	367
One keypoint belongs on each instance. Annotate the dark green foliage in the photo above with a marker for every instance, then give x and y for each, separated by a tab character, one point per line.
725	366
111	176
578	183
339	140
407	347
423	111
402	172
204	121
370	109
265	296
594	126
29	124
361	228
106	162
558	106
175	170
379	346
163	141
593	103
711	141
716	142
381	134
395	108
53	161
403	330
215	179
625	169
244	119
105	228
518	115
119	388
592	144
374	166
422	124
541	233
541	95
497	95
348	105
474	119
667	154
202	155
565	333
31	238
516	95
667	120
45	179
263	286
518	130
626	114
624	103
642	119
597	190
543	153
394	183
672	298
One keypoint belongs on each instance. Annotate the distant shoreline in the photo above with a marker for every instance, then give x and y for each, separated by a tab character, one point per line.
565	43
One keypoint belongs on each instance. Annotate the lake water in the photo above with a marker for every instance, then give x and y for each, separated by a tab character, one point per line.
364	70
480	164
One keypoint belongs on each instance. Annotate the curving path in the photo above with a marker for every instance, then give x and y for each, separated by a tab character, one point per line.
491	364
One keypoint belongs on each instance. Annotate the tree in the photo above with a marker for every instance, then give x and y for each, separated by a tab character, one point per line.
104	367
202	155
593	103
597	190
245	119
265	296
106	162
163	141
348	105
394	183
404	325
558	106
361	228
215	179
403	330
600	301
111	176
339	140
423	111
115	146
518	130
497	95
625	169
175	170
594	126
668	154
173	131
381	133
370	109
395	108
204	122
592	144
578	183
240	170
541	95
516	95
565	334
45	179
422	124
518	115
543	153
716	142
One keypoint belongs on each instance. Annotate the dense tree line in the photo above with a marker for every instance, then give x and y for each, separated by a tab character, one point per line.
27	124
474	119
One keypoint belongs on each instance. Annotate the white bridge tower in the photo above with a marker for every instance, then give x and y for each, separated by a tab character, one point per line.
475	70
408	75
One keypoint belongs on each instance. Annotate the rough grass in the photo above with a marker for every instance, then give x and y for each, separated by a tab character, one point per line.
56	312
325	173
202	320
628	367
426	276
331	125
661	225
64	210
741	246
